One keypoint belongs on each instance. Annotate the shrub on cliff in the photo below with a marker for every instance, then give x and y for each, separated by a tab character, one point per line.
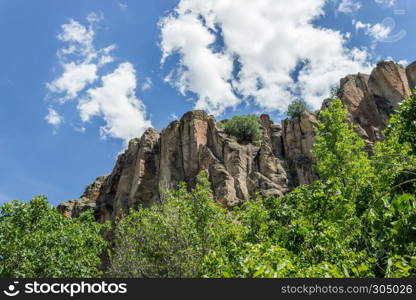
36	241
296	108
245	128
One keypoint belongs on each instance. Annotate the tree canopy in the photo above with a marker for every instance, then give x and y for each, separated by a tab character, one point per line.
36	241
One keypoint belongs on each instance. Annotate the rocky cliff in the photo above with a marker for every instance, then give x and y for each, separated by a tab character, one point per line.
160	160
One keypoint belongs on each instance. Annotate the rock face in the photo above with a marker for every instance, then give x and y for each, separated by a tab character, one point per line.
134	179
370	99
298	139
159	161
74	208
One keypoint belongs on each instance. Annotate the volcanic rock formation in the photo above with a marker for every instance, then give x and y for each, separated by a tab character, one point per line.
161	160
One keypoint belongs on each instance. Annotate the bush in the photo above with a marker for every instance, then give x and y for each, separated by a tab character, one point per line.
297	108
246	128
37	242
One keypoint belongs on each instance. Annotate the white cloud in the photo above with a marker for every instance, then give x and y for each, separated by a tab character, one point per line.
403	62
53	117
74	79
116	103
147	84
207	73
268	39
79	39
349	6
80	60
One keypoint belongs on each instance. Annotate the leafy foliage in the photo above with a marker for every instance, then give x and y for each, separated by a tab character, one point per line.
297	108
403	123
172	239
36	241
340	154
245	128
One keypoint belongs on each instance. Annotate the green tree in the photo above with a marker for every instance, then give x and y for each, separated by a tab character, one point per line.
391	234
396	156
311	232
171	240
391	217
297	108
403	123
245	128
36	241
340	155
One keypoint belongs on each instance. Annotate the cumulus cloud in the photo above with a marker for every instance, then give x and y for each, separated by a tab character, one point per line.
207	73
74	79
53	117
80	60
116	103
110	96
264	51
349	6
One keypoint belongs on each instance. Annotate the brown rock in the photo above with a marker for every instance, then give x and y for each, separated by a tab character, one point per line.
134	180
388	83
370	100
298	139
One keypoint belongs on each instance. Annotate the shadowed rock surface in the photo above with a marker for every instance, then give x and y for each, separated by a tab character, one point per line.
281	161
74	208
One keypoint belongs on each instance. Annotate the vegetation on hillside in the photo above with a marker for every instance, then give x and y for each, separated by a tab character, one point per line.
358	220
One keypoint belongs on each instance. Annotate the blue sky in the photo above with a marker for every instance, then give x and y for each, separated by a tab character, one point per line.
58	134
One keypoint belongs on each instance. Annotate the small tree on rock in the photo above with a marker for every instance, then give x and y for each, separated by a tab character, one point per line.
297	108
